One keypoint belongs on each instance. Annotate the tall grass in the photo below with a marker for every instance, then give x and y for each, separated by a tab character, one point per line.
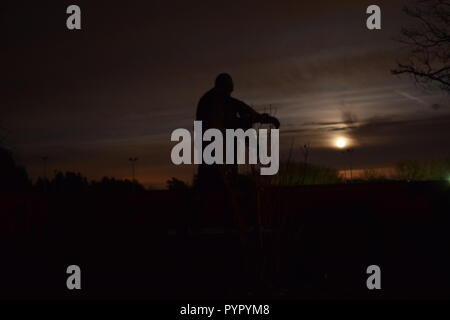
373	175
423	170
301	173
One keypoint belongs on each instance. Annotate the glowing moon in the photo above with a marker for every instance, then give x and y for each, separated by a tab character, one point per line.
341	142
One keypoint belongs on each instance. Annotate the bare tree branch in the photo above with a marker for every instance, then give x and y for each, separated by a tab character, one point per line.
428	44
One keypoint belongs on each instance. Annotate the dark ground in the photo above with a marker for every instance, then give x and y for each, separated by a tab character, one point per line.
317	243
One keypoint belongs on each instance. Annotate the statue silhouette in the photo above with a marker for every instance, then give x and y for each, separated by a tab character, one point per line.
218	109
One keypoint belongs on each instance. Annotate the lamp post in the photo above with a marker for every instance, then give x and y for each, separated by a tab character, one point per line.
133	166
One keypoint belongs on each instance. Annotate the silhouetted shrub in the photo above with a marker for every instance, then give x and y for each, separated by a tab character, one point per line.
115	185
12	176
372	175
75	182
423	170
68	182
299	173
176	184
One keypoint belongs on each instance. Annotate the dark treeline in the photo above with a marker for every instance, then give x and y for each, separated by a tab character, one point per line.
75	182
14	178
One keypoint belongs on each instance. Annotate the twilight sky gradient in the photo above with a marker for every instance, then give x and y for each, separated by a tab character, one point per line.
91	99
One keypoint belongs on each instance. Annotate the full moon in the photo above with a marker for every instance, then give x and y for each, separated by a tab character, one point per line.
341	142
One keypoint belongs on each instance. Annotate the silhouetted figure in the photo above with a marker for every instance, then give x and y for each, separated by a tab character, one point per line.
218	109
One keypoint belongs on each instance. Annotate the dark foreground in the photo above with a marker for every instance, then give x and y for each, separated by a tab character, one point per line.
306	242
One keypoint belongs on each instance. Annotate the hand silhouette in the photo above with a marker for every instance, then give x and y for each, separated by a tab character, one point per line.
266	118
275	122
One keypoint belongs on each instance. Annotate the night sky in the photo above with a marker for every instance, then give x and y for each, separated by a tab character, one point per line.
91	99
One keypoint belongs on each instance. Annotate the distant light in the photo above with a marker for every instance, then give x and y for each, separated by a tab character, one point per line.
341	142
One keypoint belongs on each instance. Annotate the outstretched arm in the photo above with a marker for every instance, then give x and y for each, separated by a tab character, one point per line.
248	114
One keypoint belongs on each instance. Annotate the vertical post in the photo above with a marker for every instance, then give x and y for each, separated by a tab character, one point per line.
344	163
350	153
305	160
133	168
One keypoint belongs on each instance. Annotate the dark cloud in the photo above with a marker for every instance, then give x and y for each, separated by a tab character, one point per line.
349	117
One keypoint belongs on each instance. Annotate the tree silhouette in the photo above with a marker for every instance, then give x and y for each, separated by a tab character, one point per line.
176	184
74	182
115	185
428	44
69	182
12	176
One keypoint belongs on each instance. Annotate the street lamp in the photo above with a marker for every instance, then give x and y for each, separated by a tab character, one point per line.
133	166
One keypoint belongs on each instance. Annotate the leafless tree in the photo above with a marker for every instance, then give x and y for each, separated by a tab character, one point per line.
428	44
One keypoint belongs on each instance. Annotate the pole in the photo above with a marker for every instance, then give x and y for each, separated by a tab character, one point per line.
133	168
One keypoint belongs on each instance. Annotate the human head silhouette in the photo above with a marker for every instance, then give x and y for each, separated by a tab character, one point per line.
224	82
